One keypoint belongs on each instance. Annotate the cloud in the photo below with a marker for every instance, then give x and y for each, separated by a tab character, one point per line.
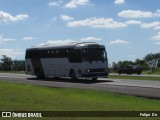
133	22
97	23
135	14
55	3
157	13
2	39
119	1
56	42
118	41
90	39
66	41
138	14
157	28
155	25
28	38
6	17
11	52
76	3
66	18
156	38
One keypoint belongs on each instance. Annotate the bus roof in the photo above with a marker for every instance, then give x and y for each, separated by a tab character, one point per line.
67	45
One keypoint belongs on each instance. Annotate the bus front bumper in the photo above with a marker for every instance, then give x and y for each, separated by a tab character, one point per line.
95	74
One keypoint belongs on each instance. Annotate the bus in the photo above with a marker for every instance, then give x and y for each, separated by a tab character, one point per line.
75	60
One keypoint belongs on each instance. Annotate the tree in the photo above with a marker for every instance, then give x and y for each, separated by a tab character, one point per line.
140	62
151	59
115	66
19	65
124	63
6	63
151	56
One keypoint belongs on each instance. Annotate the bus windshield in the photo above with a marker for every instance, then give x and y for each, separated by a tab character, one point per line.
94	54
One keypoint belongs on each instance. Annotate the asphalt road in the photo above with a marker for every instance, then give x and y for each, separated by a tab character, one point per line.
142	88
147	75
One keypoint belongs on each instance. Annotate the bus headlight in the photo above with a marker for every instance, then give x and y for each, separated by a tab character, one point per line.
106	70
87	71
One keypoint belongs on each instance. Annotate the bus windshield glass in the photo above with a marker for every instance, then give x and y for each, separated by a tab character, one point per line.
94	54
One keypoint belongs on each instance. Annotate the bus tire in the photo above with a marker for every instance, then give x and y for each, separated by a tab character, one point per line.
138	73
72	74
94	79
38	74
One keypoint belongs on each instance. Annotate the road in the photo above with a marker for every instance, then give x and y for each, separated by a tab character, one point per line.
143	88
147	75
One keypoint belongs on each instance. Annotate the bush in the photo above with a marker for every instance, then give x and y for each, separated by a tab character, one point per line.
153	70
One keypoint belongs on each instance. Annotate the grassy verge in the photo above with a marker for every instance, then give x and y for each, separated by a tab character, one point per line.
128	77
12	71
151	72
19	97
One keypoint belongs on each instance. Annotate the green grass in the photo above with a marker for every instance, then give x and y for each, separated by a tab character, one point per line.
22	97
152	72
12	71
128	77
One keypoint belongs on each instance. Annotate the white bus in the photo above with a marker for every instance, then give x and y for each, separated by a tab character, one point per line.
75	60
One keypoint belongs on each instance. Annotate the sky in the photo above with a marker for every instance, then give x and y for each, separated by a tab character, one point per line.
129	29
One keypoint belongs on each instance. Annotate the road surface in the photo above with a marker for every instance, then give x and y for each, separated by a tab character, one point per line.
144	75
143	88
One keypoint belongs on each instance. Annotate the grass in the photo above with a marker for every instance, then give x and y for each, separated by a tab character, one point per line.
21	97
12	71
152	72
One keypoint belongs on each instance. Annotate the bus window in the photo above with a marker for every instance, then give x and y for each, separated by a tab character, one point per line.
103	55
63	53
94	54
75	56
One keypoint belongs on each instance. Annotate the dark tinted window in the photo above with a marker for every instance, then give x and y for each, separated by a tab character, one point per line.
93	54
32	54
72	54
75	56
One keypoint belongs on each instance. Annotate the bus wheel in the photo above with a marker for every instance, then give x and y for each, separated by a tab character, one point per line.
138	73
72	74
94	79
39	74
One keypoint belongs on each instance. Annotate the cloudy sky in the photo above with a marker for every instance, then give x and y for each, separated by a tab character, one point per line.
129	29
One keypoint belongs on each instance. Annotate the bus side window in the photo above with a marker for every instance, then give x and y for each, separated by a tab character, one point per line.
75	56
62	53
78	56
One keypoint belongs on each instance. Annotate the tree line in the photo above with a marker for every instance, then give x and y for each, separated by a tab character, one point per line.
7	64
143	63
